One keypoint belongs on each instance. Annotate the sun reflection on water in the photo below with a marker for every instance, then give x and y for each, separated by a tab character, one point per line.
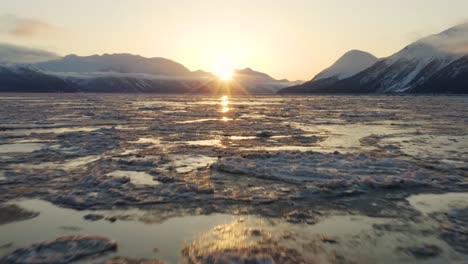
224	101
225	104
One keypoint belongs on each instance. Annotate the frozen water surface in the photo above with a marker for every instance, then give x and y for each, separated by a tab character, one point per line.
320	179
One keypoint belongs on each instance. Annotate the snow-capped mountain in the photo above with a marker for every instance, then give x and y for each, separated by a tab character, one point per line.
349	64
415	64
410	70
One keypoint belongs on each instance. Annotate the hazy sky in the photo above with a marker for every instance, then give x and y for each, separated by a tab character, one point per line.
285	38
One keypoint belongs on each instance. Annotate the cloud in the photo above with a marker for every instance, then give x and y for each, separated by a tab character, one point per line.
453	40
147	76
17	54
24	27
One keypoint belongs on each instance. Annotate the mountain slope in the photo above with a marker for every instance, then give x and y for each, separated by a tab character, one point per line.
451	79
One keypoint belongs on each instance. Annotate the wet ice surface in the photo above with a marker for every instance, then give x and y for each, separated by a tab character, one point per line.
312	177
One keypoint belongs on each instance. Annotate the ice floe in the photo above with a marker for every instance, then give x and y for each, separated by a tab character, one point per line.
135	177
314	167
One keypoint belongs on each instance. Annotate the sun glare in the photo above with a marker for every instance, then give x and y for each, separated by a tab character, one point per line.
224	74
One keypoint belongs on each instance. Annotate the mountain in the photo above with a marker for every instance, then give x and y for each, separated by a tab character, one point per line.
119	63
27	79
13	54
132	73
349	64
255	82
414	65
419	67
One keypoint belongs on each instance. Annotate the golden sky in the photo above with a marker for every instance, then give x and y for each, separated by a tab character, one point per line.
292	39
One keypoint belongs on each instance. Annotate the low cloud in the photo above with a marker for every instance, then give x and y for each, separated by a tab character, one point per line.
17	54
147	76
453	40
24	27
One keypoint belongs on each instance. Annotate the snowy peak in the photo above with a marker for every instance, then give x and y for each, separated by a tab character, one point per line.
351	63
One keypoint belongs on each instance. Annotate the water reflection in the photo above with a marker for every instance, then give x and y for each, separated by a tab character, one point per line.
167	236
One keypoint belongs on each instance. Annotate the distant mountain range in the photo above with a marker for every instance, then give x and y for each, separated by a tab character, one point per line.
435	64
124	73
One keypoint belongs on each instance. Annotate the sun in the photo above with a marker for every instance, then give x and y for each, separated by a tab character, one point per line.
224	68
224	74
